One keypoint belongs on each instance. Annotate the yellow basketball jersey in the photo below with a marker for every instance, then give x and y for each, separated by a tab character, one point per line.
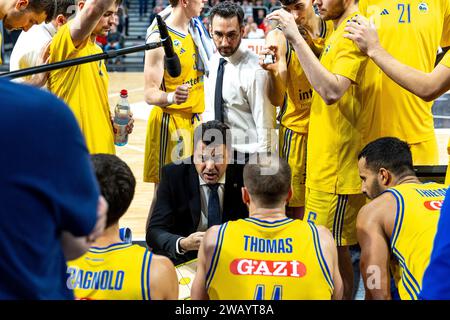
446	62
418	210
118	272
411	31
260	260
294	113
84	88
336	131
184	47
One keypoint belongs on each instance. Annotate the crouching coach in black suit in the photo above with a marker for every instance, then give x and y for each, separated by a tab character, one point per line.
196	194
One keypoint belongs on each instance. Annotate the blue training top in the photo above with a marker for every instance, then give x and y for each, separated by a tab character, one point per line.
47	186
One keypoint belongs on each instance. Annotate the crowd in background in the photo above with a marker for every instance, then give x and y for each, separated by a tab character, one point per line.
256	24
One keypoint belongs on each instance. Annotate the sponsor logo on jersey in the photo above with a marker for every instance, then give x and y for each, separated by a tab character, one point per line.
251	267
384	12
182	51
433	204
423	7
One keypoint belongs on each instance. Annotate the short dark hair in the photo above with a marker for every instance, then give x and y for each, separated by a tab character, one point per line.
174	3
390	153
227	9
47	6
212	132
117	184
268	189
63	7
287	2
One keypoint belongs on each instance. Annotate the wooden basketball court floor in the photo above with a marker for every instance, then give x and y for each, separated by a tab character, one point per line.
133	152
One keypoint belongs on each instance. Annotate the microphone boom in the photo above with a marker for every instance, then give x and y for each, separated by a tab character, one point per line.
171	60
77	61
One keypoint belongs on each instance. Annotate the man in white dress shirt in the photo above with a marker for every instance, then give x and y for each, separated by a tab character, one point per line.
29	50
236	92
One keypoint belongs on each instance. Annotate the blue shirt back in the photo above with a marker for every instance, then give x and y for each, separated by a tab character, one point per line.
47	185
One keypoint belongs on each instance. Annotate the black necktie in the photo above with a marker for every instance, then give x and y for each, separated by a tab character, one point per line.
213	206
218	102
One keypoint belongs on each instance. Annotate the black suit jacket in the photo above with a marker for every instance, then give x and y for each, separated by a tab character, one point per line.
178	207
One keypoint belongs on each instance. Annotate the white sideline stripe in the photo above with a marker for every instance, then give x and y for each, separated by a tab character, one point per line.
442	131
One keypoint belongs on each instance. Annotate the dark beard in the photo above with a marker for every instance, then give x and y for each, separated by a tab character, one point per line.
376	190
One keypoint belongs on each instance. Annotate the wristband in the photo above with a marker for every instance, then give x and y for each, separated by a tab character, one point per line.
170	97
178	248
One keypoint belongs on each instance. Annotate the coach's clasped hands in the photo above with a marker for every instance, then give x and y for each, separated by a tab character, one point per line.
192	242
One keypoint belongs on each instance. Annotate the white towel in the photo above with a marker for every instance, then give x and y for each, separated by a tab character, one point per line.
200	36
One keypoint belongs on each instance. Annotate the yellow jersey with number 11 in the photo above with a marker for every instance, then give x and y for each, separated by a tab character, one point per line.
260	260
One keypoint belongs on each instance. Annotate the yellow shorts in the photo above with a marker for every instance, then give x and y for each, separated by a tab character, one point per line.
425	153
169	139
337	212
292	147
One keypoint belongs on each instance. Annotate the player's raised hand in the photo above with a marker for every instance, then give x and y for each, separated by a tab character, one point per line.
286	23
364	33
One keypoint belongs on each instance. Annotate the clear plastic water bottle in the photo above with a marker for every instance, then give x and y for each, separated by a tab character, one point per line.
121	118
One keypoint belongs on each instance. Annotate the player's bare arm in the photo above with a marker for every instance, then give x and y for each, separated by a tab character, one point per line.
427	86
164	280
205	253
330	254
153	76
85	21
374	242
329	86
275	46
